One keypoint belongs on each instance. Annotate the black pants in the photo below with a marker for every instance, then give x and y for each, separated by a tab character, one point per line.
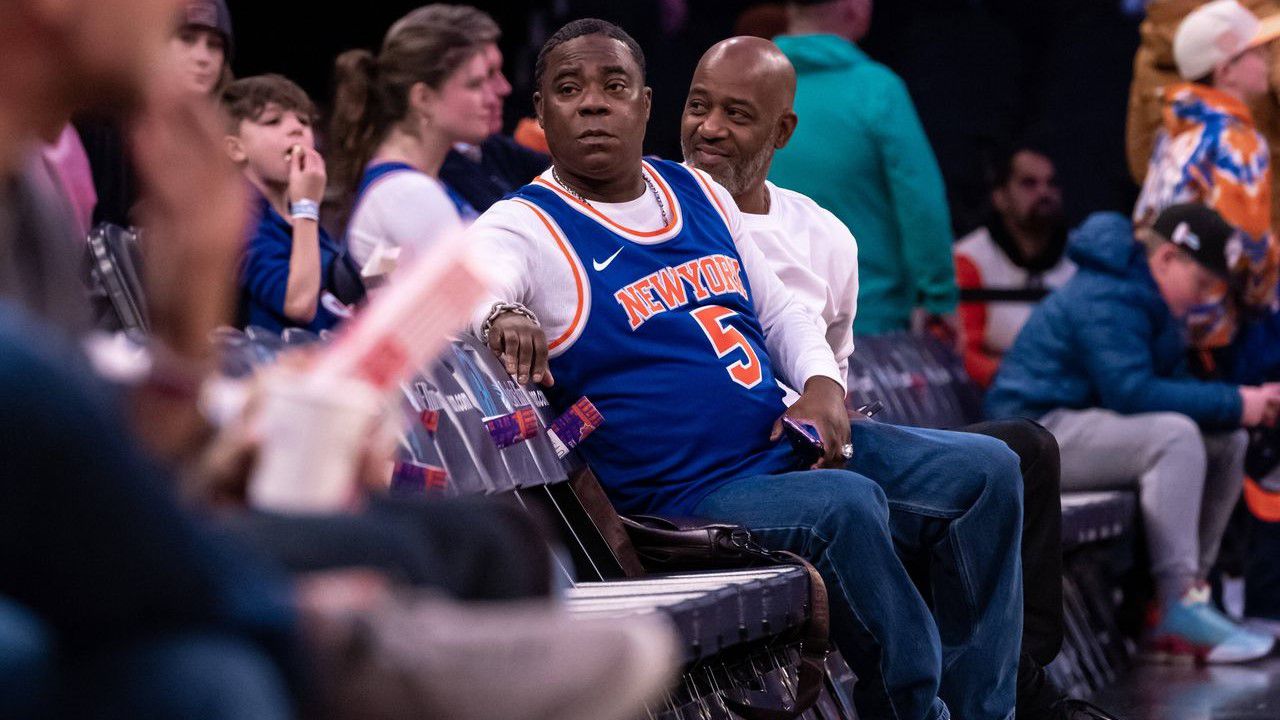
1041	533
1041	555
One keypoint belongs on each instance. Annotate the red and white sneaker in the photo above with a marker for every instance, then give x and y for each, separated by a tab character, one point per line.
1193	630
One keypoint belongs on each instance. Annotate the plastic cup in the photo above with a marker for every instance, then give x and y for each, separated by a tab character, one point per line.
312	435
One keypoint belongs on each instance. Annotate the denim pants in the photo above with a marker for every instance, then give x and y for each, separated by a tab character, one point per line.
953	498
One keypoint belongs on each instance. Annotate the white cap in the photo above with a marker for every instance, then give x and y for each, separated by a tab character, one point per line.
1216	32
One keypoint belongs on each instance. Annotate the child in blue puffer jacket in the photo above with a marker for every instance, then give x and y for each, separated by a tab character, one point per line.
1102	365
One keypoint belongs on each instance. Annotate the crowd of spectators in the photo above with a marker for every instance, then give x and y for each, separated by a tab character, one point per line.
807	210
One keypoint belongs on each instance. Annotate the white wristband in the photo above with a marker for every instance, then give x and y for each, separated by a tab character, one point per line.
305	210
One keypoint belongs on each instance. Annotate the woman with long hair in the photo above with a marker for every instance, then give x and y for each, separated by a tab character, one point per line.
395	117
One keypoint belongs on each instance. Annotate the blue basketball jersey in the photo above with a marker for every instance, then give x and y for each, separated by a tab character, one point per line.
667	345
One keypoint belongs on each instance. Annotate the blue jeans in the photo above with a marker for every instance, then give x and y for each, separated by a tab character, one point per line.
954	499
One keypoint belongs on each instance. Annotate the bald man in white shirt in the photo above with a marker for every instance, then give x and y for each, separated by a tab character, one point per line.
737	115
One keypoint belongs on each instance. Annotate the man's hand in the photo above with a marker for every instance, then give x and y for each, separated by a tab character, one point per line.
522	347
306	174
822	405
1261	405
195	210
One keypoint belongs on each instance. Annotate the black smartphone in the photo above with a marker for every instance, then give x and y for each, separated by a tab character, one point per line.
870	409
805	439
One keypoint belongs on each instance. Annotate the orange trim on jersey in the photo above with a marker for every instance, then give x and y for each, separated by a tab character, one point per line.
711	194
1263	504
666	191
574	266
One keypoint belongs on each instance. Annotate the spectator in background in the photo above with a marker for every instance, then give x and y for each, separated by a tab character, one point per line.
141	609
68	165
1154	69
482	174
1209	151
395	118
201	49
861	153
287	276
147	613
1102	365
1010	263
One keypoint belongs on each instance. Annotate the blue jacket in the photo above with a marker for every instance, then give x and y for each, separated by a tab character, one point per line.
264	276
1106	340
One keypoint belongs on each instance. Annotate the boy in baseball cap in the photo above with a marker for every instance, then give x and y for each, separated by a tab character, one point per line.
1210	152
1101	364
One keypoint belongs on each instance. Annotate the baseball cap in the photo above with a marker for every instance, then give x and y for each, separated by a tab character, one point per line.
211	14
1216	32
1201	233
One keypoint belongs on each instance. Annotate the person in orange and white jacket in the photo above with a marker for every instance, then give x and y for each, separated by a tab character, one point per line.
1008	264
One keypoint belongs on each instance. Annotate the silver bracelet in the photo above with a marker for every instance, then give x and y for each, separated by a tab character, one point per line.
305	210
500	309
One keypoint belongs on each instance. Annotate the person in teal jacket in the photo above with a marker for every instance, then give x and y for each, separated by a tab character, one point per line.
860	152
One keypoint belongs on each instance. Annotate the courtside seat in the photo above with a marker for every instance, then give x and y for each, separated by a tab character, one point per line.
740	626
922	384
115	271
1092	517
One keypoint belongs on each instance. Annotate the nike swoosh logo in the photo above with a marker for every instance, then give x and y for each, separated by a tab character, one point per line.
600	266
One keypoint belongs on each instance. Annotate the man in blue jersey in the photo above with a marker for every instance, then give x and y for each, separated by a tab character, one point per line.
633	283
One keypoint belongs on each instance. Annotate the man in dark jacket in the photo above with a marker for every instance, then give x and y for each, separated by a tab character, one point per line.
1101	364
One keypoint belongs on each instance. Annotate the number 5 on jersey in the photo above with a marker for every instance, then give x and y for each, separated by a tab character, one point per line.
725	339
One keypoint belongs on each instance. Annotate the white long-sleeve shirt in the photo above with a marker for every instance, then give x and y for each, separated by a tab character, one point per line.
816	257
531	267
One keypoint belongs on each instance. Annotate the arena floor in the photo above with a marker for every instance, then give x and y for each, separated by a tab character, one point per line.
1186	692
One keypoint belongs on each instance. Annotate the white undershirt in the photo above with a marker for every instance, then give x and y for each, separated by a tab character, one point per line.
529	267
406	209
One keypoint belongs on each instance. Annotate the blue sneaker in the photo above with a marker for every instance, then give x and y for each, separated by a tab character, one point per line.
1192	629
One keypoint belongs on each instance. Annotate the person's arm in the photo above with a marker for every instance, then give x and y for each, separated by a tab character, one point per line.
302	287
1115	344
794	339
918	196
195	214
842	269
980	364
503	235
106	553
264	275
